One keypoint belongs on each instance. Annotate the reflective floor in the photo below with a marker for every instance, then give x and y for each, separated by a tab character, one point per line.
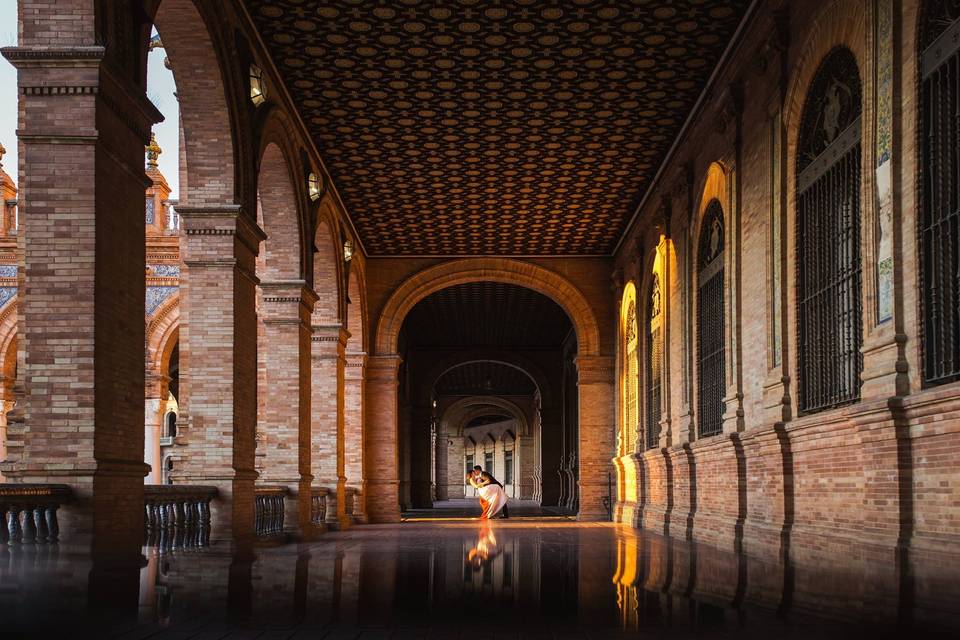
522	578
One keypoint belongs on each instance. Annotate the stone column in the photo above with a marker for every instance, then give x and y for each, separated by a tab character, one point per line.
287	305
153	429
595	383
83	124
218	362
353	401
328	430
380	439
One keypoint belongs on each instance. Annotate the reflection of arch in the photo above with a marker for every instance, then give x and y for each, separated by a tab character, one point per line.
506	358
455	272
204	115
462	411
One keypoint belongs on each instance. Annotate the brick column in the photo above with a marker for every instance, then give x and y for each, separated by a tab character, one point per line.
329	362
82	127
218	362
595	383
353	400
380	439
420	457
287	305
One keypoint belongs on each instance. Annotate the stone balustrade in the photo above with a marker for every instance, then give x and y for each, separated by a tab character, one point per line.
177	516
318	505
269	509
350	502
30	512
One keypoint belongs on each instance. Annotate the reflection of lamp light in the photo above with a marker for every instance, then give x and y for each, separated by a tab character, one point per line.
258	93
314	187
347	250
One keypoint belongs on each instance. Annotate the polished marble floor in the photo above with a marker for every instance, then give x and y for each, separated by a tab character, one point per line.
447	578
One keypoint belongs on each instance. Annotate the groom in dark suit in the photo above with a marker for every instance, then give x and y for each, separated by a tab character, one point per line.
488	477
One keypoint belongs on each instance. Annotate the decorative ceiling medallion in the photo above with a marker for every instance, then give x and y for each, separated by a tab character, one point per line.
495	128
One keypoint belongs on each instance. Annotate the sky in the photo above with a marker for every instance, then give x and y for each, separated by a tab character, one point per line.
160	88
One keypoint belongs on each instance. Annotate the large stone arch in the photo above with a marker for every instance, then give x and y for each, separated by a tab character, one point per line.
208	159
281	200
327	270
507	358
454	272
594	379
463	410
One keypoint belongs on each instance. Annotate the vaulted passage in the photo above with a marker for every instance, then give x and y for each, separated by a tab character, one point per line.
681	277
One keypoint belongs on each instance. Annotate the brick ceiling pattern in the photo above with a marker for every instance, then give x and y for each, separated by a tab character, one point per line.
529	127
485	379
486	315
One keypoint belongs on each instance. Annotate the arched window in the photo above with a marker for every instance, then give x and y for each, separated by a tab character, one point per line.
828	237
171	425
654	363
940	201
711	378
628	374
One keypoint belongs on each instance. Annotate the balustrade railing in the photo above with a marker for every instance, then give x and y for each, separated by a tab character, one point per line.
30	512
318	505
350	502
177	516
269	509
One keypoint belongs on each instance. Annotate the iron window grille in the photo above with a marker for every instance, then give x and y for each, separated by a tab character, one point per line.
940	202
654	365
829	272
711	377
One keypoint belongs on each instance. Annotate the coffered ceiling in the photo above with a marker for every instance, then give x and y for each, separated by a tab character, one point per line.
488	127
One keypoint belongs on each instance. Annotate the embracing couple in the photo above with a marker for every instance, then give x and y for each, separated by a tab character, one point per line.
493	499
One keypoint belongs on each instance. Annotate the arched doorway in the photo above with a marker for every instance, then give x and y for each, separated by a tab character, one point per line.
583	411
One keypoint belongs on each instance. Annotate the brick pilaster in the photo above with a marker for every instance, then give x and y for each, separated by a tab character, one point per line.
82	126
287	305
353	394
595	383
420	457
218	333
329	361
380	439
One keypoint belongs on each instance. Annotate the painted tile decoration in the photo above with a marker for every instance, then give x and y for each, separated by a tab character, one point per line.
157	295
150	211
6	293
884	150
523	128
165	270
8	271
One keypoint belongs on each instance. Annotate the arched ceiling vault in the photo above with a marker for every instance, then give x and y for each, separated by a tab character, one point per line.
530	127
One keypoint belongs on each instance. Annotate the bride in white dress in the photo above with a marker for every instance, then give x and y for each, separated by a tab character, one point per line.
492	496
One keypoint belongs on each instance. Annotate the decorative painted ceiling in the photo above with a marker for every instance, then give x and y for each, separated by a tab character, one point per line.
486	314
488	127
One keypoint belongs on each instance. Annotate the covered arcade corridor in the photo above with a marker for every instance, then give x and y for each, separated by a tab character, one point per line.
682	275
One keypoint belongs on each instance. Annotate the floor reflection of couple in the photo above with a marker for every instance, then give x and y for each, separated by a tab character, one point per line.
493	499
486	548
